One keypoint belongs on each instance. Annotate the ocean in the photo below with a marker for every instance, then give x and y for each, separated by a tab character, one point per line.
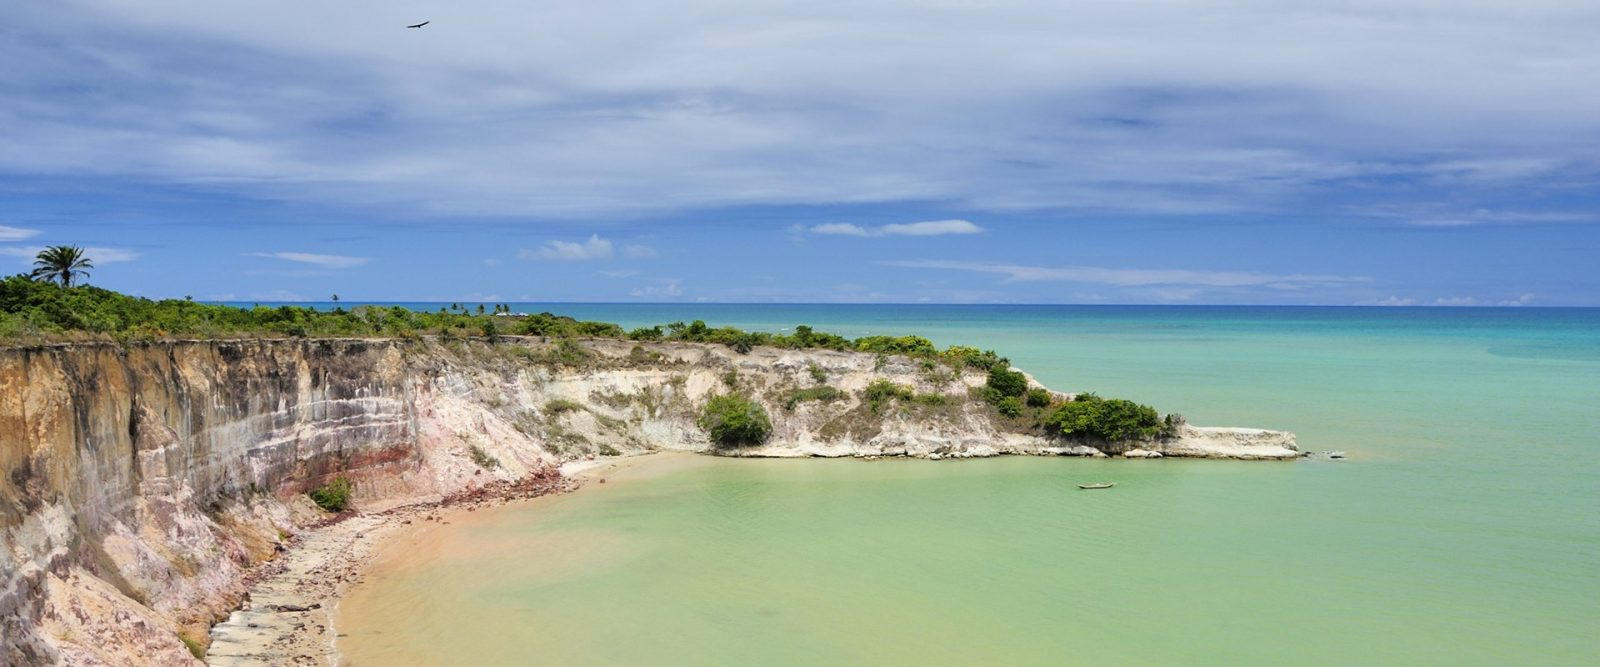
1464	526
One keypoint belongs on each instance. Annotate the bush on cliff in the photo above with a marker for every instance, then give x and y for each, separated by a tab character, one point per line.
735	421
31	309
1110	419
1038	397
1007	382
333	496
911	346
882	392
821	394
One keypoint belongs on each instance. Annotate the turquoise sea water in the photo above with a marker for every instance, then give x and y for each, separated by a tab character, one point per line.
1464	528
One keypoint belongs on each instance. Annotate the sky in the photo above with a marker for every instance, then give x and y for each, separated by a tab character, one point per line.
1386	152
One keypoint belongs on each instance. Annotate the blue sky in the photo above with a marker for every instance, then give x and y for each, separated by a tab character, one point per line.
1399	152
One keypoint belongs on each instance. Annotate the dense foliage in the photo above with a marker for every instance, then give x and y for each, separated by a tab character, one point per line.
333	496
1007	382
734	421
1038	397
42	310
1105	418
47	310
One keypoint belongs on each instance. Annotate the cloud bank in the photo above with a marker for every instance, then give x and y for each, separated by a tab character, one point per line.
506	108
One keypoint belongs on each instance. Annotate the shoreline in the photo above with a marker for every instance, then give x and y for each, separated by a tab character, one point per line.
291	607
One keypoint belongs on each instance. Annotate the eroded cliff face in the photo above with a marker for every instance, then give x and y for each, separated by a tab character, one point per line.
139	484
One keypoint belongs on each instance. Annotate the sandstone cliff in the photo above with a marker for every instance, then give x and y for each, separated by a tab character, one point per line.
139	484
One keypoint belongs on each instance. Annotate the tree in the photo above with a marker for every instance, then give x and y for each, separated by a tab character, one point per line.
61	263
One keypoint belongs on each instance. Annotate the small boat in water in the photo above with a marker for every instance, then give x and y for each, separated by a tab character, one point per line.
1101	485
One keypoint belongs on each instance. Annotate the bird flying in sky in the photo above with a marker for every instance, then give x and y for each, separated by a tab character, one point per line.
419	25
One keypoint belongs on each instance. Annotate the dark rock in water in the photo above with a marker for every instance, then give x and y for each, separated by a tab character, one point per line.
1335	455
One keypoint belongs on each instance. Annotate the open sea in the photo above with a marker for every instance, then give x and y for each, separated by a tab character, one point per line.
1464	528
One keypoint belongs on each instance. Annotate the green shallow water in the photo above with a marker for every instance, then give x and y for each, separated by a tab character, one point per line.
1464	529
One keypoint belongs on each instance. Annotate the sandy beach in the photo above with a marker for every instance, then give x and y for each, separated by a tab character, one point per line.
291	613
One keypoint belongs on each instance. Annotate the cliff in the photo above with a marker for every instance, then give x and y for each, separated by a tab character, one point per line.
140	484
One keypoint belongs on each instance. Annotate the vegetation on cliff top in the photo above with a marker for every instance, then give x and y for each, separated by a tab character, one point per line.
38	311
34	310
1111	419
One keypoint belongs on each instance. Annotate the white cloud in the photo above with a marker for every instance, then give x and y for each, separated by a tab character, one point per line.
638	251
926	228
321	261
1135	277
519	108
8	233
567	251
1522	300
666	288
931	228
1455	301
619	274
839	229
1394	301
96	255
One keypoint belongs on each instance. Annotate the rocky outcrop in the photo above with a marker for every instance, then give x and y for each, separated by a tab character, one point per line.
140	484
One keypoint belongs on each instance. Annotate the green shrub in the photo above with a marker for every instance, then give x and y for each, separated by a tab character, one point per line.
333	496
1111	419
556	406
907	345
824	394
972	357
645	333
1038	397
1009	406
883	392
818	374
733	421
1007	382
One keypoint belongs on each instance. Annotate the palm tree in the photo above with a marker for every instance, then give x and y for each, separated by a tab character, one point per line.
61	263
